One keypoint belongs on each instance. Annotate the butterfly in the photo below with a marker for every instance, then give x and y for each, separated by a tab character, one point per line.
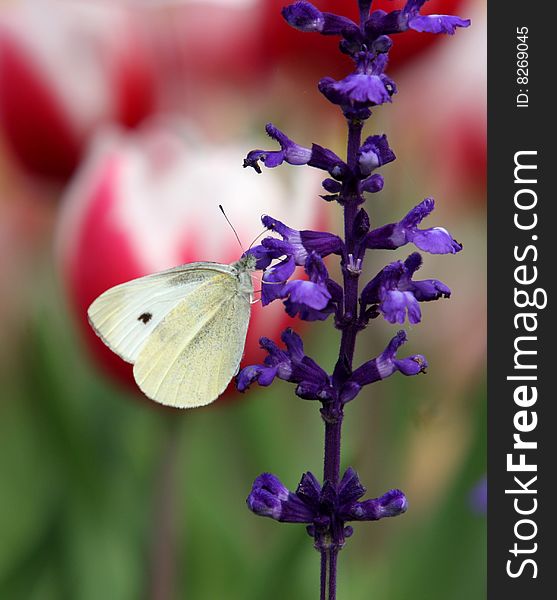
183	329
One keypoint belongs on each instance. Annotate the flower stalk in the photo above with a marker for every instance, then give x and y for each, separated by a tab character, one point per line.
392	293
333	413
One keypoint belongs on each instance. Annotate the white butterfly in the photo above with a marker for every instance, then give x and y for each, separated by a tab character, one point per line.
183	329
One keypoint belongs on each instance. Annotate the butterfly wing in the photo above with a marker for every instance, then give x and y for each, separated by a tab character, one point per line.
126	315
192	355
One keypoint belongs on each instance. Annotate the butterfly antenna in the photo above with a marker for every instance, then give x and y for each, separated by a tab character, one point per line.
255	240
232	227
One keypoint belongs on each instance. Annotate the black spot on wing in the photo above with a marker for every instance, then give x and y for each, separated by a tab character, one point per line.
145	317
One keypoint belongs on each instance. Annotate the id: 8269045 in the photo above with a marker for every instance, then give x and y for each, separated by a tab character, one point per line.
522	76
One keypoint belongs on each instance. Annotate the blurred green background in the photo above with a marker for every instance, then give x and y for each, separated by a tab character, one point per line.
105	495
99	490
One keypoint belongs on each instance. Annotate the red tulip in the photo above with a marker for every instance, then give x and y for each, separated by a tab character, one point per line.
65	68
148	200
451	135
320	54
208	43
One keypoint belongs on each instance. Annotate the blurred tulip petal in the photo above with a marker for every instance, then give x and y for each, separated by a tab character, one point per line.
65	68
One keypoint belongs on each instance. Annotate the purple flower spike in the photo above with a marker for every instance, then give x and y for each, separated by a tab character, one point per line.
265	254
387	293
291	365
413	6
321	505
310	299
350	488
304	17
430	289
275	276
382	367
381	23
327	160
277	364
435	240
372	184
391	504
437	23
294	154
270	498
382	44
314	299
364	6
375	152
357	90
394	294
302	243
327	507
366	87
398	21
331	185
289	151
430	23
309	489
397	303
307	293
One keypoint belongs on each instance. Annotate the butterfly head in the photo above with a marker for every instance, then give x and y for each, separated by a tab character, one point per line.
246	263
